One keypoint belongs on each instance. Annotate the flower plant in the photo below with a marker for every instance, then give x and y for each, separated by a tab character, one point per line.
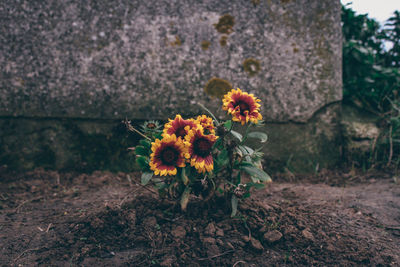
204	156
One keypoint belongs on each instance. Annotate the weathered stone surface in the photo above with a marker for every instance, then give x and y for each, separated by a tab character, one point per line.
359	124
361	130
305	147
152	59
88	145
72	70
360	134
66	144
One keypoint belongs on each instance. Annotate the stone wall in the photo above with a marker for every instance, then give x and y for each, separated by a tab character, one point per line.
101	61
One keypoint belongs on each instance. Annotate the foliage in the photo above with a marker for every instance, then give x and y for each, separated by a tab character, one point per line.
386	147
203	157
371	76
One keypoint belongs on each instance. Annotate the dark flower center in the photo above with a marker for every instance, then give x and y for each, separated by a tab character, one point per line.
243	106
180	132
169	156
151	125
202	147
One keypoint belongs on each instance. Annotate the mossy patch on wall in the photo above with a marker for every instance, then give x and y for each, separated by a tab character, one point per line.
224	40
225	24
217	87
177	41
295	48
251	66
286	1
205	45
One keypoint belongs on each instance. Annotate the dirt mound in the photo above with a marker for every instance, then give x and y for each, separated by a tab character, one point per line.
106	219
275	234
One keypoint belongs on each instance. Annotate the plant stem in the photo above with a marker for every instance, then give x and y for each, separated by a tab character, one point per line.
245	134
391	146
133	129
231	127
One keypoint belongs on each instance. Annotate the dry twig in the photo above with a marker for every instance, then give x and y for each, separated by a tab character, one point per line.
48	227
216	256
234	265
26	201
28	250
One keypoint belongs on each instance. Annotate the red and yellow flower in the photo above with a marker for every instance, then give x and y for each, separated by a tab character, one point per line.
199	148
206	123
242	106
179	126
167	154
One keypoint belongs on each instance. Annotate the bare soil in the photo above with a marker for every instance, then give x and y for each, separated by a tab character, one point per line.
104	219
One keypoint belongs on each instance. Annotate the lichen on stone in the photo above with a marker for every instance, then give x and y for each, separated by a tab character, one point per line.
225	24
251	66
205	44
177	41
217	87
224	40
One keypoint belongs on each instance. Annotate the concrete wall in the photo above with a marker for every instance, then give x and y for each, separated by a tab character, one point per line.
101	61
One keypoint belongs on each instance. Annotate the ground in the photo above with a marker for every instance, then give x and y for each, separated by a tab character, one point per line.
67	219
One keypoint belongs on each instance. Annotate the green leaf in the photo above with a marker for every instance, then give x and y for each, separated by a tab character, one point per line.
160	185
246	163
146	177
257	155
259	135
143	163
145	143
237	135
223	158
141	151
228	124
157	135
248	150
185	198
256	185
245	152
219	143
234	203
257	173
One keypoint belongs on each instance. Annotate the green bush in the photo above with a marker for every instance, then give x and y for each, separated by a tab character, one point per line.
371	60
371	77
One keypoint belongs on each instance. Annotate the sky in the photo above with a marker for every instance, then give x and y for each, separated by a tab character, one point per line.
380	10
